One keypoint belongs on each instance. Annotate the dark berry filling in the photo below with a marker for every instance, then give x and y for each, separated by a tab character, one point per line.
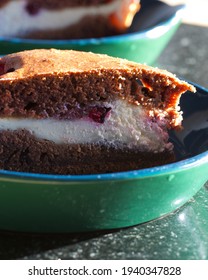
2	68
10	70
95	113
32	9
98	114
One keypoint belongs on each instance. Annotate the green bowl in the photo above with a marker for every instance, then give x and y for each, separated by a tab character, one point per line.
55	203
138	45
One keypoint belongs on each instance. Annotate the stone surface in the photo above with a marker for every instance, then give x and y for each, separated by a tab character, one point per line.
187	54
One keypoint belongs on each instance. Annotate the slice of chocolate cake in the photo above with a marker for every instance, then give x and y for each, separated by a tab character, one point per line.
70	112
65	19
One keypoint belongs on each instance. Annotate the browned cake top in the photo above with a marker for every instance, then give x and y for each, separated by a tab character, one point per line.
42	62
47	78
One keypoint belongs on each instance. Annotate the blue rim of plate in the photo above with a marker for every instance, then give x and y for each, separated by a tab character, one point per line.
154	32
178	166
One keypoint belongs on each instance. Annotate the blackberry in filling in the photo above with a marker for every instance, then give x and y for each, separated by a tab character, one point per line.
32	8
98	114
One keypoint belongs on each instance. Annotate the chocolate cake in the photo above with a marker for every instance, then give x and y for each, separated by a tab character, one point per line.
70	112
66	19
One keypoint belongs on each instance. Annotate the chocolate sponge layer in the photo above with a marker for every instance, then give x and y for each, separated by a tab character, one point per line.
88	27
21	151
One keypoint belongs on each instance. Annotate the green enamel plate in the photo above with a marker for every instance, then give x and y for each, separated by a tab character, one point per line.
51	203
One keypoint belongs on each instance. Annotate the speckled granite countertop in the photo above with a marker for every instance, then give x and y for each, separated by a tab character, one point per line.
180	235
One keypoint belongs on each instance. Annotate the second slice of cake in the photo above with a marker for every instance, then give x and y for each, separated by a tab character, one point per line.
69	112
66	19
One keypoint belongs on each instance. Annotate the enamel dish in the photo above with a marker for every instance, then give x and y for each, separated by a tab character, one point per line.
50	203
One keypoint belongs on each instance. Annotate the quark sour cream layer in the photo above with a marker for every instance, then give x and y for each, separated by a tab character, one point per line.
16	21
126	124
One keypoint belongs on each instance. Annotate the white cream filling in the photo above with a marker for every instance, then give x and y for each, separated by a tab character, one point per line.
16	21
126	125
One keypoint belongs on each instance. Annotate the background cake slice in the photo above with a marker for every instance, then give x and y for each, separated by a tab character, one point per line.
65	19
70	112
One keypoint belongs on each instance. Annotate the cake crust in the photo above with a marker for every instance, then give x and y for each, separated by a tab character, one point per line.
68	61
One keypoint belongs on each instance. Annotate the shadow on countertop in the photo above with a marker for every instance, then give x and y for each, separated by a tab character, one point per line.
179	235
19	245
